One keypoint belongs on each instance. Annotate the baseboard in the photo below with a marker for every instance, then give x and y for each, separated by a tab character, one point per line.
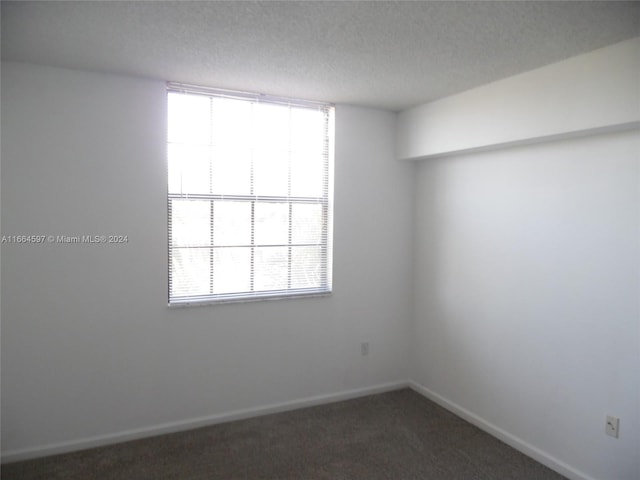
511	440
171	427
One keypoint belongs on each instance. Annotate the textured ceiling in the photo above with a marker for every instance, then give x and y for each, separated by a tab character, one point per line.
382	54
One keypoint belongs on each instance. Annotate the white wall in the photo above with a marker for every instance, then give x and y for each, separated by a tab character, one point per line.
594	92
527	294
527	287
90	351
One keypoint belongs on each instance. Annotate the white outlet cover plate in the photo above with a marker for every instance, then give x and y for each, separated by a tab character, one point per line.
612	426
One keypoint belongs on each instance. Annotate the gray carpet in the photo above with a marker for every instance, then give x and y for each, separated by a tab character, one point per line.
393	436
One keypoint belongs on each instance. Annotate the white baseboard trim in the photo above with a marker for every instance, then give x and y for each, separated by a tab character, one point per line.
511	440
171	427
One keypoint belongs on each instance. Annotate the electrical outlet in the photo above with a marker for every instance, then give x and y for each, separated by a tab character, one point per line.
612	426
364	348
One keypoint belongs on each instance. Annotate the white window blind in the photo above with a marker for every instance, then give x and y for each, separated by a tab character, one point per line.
249	196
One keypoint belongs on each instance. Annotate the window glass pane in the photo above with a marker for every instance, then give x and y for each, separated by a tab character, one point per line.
271	268
306	223
271	172
306	267
189	119
271	223
231	171
190	222
232	223
189	168
232	123
232	270
190	271
307	174
307	127
271	126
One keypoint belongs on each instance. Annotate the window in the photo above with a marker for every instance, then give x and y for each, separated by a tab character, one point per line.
249	196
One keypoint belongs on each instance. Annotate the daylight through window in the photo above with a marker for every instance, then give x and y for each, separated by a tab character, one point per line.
249	196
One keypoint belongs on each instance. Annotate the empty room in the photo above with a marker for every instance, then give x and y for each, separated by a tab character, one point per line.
320	240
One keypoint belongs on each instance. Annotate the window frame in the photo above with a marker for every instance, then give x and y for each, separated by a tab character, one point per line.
325	286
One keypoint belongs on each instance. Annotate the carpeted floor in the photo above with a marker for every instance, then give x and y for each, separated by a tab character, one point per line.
393	436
